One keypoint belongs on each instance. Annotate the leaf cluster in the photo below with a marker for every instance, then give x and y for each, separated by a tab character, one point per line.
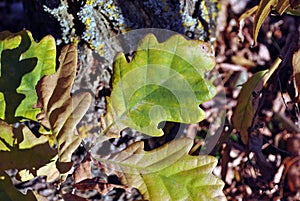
25	89
32	90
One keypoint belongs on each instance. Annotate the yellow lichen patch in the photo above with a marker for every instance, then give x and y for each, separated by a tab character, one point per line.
90	42
75	40
90	2
204	10
100	48
87	23
200	26
110	6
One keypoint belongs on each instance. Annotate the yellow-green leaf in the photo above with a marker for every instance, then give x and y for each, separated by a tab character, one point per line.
7	137
21	149
163	82
264	8
23	63
166	173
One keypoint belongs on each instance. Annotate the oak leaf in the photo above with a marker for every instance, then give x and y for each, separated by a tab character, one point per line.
166	173
163	82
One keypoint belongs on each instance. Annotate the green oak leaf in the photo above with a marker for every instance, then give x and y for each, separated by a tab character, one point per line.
166	173
21	149
163	82
23	63
31	155
8	191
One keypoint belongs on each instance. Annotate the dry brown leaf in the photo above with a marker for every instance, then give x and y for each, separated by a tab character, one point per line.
99	185
282	5
61	111
84	170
